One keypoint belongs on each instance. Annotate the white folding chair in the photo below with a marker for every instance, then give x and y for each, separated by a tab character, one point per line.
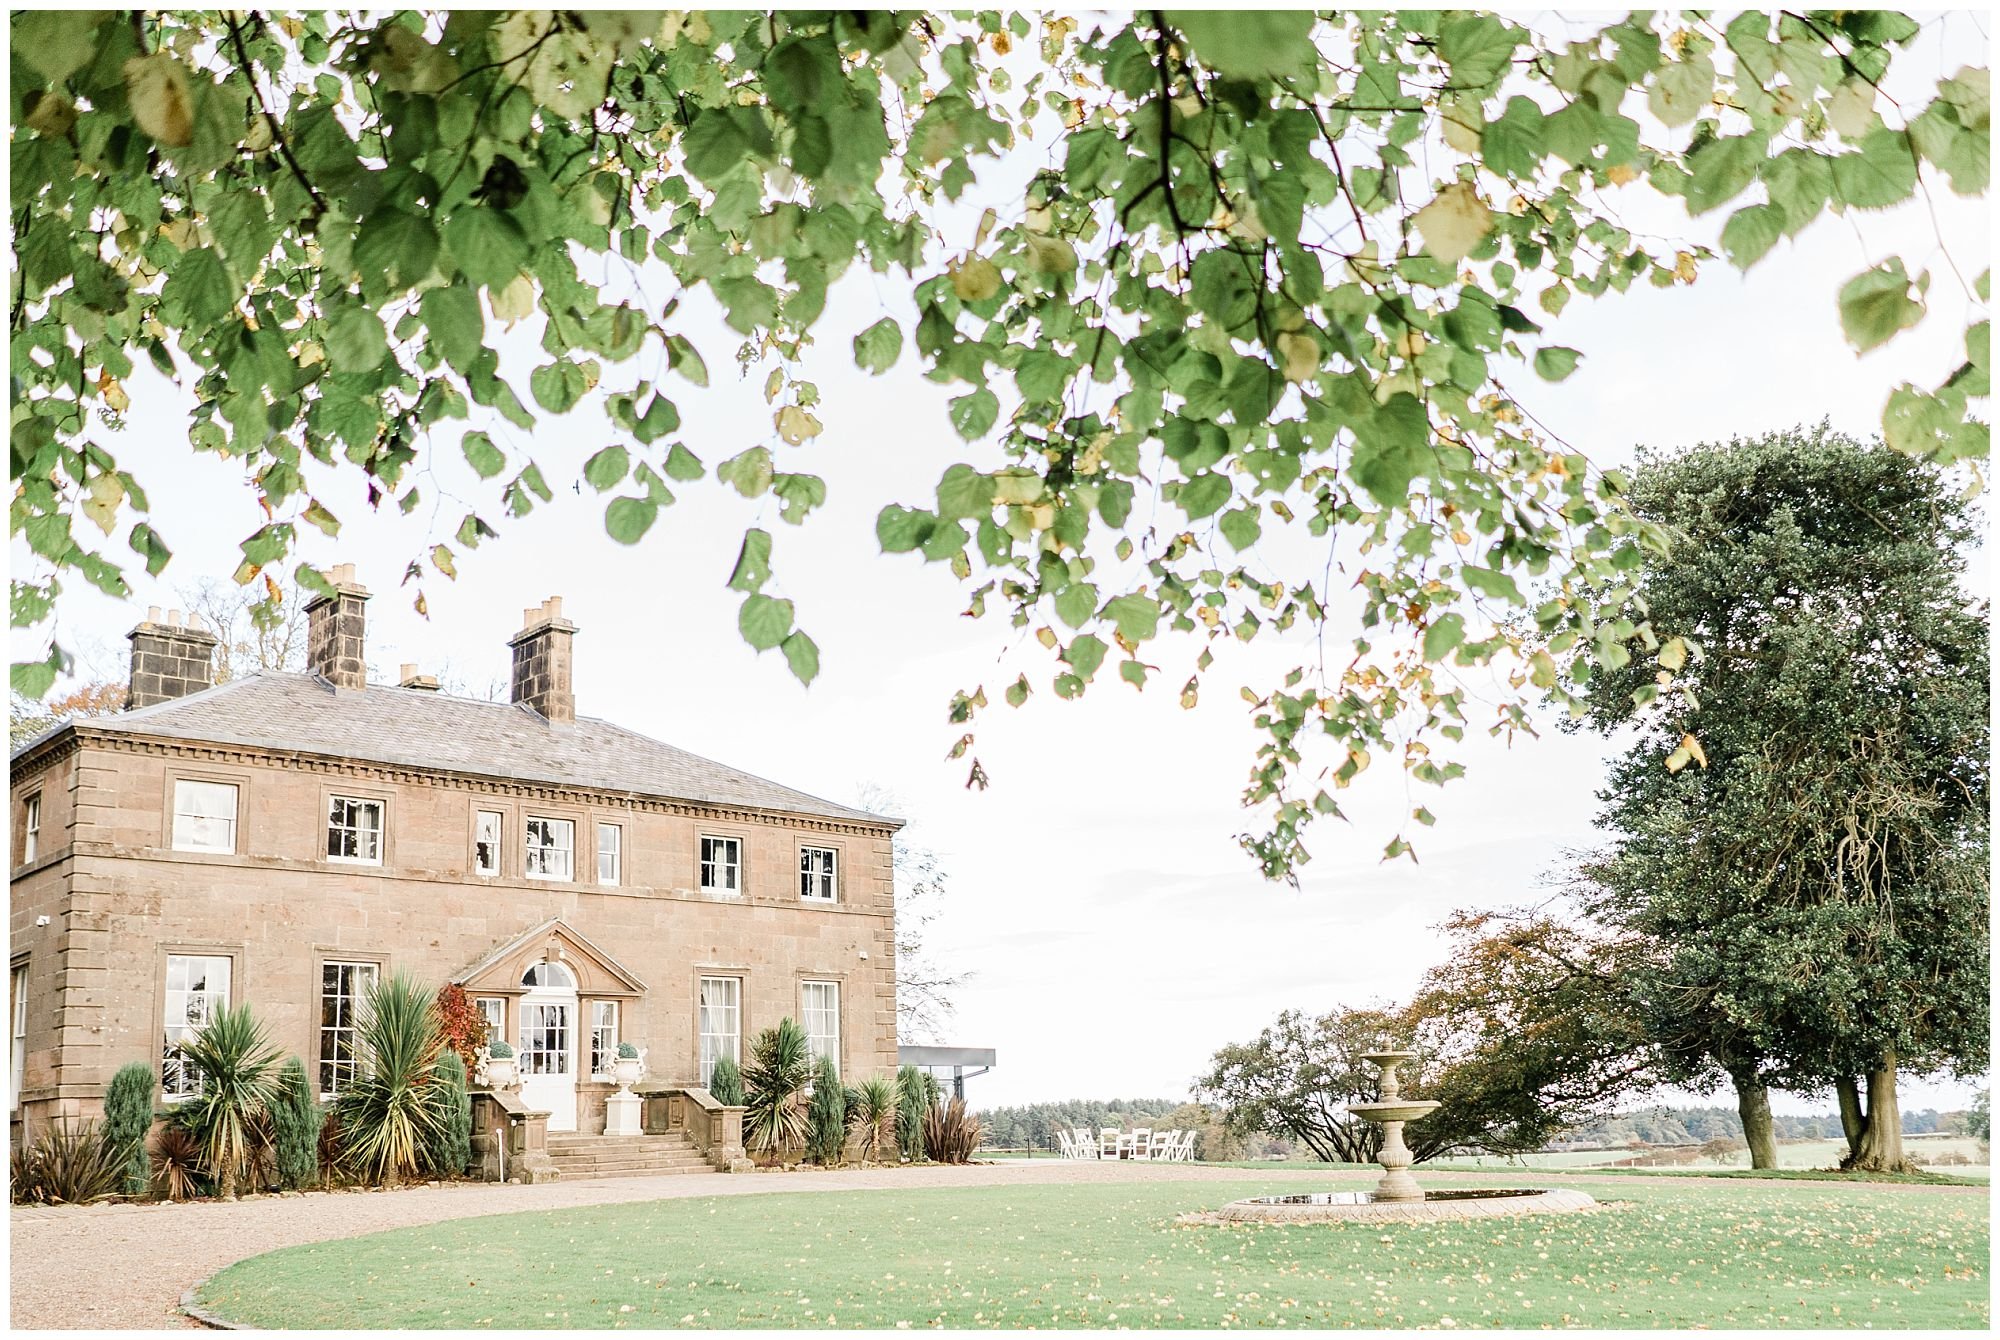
1065	1145
1126	1146
1086	1143
1107	1142
1184	1151
1142	1143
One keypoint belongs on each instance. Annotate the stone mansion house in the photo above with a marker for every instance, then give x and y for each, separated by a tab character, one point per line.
287	839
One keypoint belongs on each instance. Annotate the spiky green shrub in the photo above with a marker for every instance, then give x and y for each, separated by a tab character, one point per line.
826	1118
128	1116
912	1101
950	1133
70	1163
725	1083
238	1068
178	1172
774	1117
871	1114
393	1108
295	1123
452	1149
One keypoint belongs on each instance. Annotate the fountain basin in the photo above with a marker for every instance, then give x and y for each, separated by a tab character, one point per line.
1409	1109
1323	1207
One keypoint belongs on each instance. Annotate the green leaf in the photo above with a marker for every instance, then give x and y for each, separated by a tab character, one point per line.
1084	654
1203	495
1751	232
627	519
1490	582
877	348
1883	173
901	529
485	459
1391	450
1478	48
1446	632
1876	304
608	468
355	340
488	245
972	415
1241	526
1512	145
457	326
398	246
558	386
1250	44
1076	604
1720	169
802	654
749	471
1554	362
764	621
1137	617
753	562
964	492
799	494
683	464
199	288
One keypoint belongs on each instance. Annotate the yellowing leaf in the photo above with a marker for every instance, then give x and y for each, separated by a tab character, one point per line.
1453	223
975	279
796	425
1674	654
1692	748
515	301
162	102
1299	354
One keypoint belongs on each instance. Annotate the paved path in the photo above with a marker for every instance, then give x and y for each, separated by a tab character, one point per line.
126	1266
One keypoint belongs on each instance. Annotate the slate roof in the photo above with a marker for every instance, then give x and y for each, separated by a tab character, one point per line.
425	729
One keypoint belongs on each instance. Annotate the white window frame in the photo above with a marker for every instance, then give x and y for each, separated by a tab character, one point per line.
733	866
188	819
821	874
493	1009
490	867
31	828
359	831
539	853
603	1037
183	1018
366	973
616	874
715	1043
819	1041
17	1057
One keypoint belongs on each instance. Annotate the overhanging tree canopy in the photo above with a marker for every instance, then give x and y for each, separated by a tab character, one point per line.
1283	275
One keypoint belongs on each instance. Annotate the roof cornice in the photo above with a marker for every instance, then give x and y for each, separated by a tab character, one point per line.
84	735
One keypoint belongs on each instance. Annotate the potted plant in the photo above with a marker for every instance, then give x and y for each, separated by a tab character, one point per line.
501	1066
627	1068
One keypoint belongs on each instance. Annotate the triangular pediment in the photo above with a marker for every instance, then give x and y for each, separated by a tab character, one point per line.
555	940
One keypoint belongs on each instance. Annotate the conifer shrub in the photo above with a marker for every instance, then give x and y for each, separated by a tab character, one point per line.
826	1118
912	1101
725	1083
295	1127
450	1149
128	1118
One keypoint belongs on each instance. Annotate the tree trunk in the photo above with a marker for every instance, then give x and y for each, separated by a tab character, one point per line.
1753	1104
1882	1142
1853	1121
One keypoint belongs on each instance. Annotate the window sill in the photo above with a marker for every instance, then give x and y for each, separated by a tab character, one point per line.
374	862
210	851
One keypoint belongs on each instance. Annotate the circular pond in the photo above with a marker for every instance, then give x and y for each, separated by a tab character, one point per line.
1344	1206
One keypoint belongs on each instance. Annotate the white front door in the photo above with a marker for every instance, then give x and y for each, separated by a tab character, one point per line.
549	1044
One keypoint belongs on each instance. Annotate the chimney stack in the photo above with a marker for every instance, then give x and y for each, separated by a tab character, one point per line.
169	660
412	680
542	661
336	632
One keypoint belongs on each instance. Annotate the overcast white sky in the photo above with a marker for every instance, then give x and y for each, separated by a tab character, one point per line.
1115	932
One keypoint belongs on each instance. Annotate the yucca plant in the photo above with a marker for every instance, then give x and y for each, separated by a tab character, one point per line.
872	1117
826	1116
725	1083
128	1116
950	1133
238	1069
394	1108
912	1101
774	1116
69	1163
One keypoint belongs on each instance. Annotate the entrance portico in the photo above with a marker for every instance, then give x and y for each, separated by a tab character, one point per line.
559	1000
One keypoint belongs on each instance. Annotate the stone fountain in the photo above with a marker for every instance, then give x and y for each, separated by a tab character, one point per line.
1398	1196
1389	1112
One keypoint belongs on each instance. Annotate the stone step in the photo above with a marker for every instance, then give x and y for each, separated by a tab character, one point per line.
649	1142
574	1160
597	1174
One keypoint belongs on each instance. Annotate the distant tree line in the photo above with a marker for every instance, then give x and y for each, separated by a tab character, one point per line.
1698	1125
1034	1126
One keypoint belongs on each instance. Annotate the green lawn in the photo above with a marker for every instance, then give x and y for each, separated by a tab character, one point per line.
1665	1253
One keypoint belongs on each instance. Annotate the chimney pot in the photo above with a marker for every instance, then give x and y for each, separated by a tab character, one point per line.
173	618
152	614
409	671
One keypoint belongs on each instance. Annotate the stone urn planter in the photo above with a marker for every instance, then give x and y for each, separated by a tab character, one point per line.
623	1110
626	1071
502	1069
